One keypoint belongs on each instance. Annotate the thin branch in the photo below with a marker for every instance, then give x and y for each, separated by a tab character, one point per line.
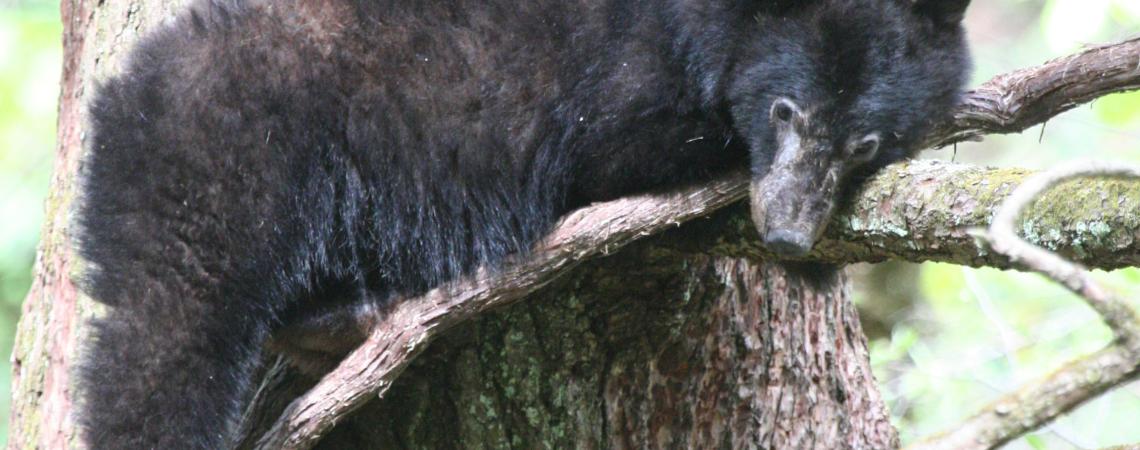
1041	401
1012	102
410	325
407	329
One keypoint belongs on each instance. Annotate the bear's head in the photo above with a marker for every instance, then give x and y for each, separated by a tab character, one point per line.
828	93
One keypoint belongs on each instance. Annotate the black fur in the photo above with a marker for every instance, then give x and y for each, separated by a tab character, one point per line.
257	158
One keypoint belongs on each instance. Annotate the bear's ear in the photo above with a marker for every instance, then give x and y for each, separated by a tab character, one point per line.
942	12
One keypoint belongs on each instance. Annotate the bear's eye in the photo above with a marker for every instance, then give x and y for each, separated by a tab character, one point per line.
864	149
783	110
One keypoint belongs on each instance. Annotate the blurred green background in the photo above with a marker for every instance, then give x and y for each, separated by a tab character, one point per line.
945	339
30	59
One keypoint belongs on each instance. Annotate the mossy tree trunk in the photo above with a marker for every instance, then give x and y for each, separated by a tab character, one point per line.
651	347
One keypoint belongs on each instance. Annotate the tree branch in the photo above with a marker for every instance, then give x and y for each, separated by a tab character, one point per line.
1041	401
1000	106
1012	102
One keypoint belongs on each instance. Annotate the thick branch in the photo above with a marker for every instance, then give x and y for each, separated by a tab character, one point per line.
923	210
407	328
1039	402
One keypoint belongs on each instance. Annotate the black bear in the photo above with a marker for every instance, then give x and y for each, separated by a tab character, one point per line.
264	162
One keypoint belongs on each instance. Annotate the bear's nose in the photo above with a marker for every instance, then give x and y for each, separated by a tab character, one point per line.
788	242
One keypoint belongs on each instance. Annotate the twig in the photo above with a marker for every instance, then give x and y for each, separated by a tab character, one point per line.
1041	401
403	333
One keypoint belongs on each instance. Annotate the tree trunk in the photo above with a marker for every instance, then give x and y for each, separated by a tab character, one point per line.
652	347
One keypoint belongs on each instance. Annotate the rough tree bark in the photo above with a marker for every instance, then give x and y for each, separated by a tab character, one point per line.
663	344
